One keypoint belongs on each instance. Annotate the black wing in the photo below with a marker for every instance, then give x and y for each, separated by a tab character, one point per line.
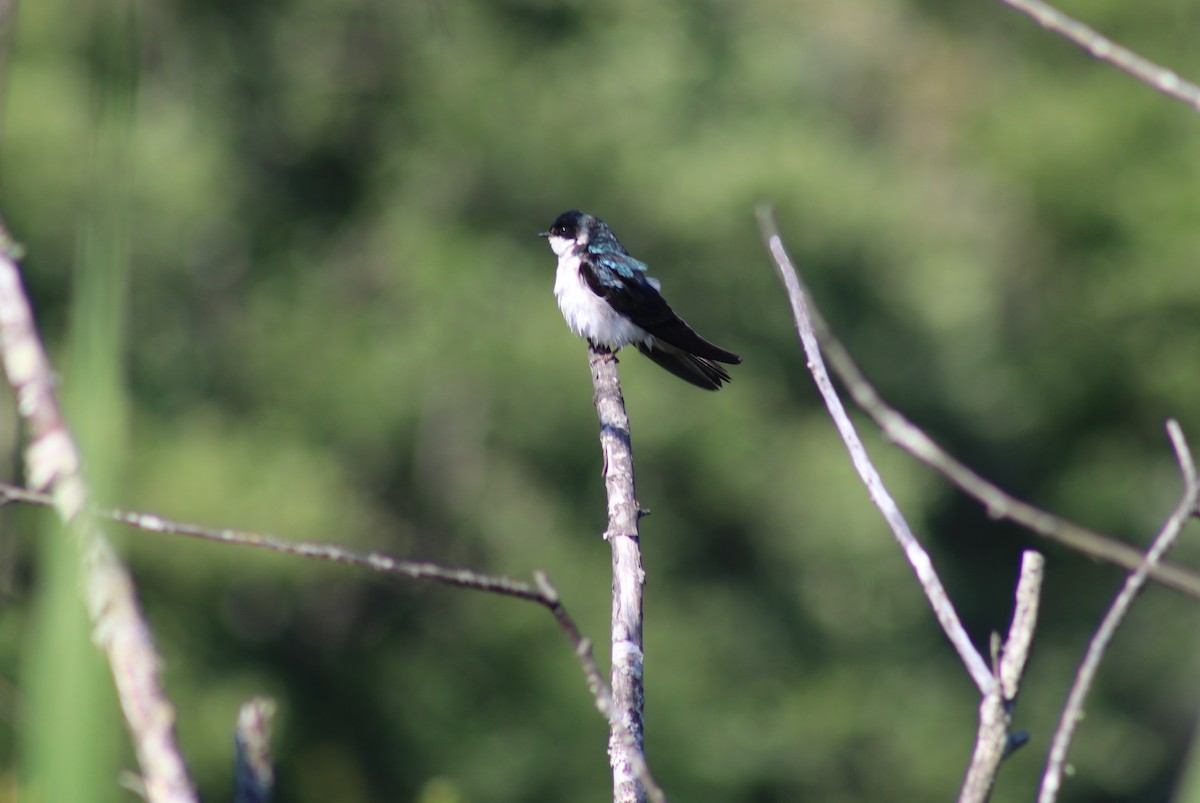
702	372
637	300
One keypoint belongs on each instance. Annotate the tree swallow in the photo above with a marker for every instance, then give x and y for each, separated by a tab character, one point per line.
606	296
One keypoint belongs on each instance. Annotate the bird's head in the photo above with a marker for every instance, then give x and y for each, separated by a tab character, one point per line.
569	230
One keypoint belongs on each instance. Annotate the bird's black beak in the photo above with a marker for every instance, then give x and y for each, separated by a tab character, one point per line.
543	234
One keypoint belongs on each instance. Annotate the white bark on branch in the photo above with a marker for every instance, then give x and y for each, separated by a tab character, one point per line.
254	774
918	558
542	591
998	503
1073	711
1144	70
625	753
53	463
994	741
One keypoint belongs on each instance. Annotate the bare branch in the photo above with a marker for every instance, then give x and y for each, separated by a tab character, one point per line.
1020	633
628	579
254	776
917	557
1122	58
993	741
1073	711
52	462
1183	455
378	561
543	594
601	694
999	504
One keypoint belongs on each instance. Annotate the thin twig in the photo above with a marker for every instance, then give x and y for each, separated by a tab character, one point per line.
542	592
604	699
378	561
998	503
53	462
993	741
1073	711
1144	70
1020	633
628	579
1183	454
917	557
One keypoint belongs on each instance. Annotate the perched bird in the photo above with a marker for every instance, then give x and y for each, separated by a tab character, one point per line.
606	296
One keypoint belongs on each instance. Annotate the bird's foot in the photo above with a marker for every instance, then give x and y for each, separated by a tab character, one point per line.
605	352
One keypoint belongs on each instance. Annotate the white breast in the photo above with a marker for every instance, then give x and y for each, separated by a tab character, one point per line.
587	314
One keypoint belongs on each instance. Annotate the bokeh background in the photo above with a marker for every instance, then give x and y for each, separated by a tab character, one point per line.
283	253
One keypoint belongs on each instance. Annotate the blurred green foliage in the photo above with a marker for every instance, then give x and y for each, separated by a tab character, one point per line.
339	326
